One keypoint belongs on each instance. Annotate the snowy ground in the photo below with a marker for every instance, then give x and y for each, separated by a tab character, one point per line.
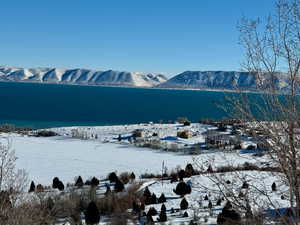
44	158
67	157
98	153
205	185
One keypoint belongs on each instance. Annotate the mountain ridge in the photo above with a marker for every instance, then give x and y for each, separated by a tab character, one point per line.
80	76
201	80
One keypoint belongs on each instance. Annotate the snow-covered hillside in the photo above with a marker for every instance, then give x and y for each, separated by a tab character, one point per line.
81	76
222	80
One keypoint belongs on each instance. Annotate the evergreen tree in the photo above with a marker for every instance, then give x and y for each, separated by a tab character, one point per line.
162	216
32	187
60	186
219	201
228	215
206	198
79	182
55	182
132	176
182	189
94	182
112	177
185	214
163	208
184	204
119	138
149	219
245	185
119	186
153	199
147	193
92	214
152	212
181	175
190	169
274	187
162	198
174	178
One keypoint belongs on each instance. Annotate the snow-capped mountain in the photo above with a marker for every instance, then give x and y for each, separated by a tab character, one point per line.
225	80
81	76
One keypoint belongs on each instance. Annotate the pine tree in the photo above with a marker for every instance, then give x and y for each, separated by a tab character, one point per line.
147	193
163	208
184	204
132	176
60	186
185	214
162	198
94	182
190	169
219	202
119	186
163	216
181	175
228	215
245	185
206	198
274	187
153	199
174	178
92	214
152	212
112	177
32	187
55	182
79	182
182	189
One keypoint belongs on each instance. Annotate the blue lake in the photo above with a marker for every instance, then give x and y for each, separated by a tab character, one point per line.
49	105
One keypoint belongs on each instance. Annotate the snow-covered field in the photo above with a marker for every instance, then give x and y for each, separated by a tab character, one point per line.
97	152
44	158
66	157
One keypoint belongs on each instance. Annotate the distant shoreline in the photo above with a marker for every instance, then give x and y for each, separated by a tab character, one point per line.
138	87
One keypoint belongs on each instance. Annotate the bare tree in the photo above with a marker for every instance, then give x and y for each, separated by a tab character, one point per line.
12	180
272	56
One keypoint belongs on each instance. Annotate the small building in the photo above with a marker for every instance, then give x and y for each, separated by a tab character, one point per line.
184	134
215	139
138	133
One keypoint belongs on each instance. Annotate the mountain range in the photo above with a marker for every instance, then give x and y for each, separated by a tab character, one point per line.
81	76
214	80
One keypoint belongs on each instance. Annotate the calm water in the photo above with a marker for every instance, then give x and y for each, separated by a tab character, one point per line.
48	105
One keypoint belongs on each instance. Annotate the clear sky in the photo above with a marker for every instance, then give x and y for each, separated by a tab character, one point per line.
168	36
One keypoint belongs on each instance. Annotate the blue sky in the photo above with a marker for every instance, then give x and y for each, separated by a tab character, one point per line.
168	36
